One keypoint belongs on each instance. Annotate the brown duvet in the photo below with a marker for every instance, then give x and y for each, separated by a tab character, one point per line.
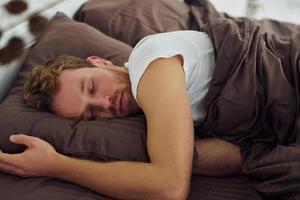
253	101
16	188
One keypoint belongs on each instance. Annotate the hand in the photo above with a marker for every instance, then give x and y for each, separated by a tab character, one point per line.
37	160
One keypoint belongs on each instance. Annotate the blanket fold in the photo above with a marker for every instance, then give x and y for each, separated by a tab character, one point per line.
253	101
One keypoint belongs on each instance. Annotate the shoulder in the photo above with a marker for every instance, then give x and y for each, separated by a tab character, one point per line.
163	77
163	45
166	45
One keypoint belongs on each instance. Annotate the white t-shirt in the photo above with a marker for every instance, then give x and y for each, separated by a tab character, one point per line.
197	52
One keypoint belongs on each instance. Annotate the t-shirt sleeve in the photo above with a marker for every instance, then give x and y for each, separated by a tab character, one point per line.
161	45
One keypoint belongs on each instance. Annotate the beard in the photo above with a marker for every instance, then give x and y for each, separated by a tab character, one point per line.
123	85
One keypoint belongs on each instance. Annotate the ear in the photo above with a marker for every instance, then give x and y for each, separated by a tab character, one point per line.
100	62
95	60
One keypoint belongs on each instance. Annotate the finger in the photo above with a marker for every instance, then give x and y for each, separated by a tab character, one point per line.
9	159
7	168
22	139
12	170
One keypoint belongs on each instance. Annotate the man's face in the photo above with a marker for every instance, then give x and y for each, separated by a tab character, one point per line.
94	93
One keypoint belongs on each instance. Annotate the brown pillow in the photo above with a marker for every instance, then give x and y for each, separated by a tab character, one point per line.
105	140
131	20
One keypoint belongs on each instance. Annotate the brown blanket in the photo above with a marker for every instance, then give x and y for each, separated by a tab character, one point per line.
254	101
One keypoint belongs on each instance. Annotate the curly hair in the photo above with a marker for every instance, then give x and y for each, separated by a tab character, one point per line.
41	82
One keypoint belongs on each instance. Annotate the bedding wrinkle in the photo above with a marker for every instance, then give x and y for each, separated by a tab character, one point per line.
252	103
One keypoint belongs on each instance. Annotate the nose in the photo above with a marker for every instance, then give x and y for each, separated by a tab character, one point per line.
103	104
107	103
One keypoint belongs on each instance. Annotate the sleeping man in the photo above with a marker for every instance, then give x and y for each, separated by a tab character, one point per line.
229	80
168	83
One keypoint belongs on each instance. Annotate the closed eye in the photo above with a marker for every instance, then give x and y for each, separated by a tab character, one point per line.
92	89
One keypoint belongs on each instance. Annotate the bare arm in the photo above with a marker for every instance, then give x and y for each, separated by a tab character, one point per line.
217	158
170	146
162	96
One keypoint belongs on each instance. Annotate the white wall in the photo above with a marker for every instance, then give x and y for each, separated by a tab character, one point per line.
282	10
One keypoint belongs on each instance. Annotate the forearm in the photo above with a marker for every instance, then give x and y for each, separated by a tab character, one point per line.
217	158
121	180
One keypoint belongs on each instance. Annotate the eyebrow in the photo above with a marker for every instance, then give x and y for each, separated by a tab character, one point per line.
90	109
81	85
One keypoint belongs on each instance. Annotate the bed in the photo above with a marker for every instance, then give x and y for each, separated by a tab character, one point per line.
110	29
